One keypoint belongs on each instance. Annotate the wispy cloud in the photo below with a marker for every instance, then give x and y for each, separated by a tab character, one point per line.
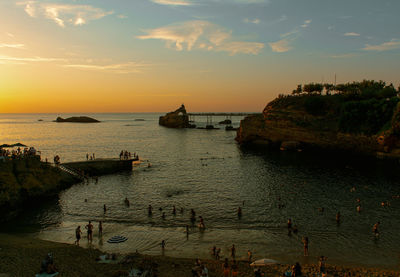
64	13
344	56
122	16
284	45
8	45
202	2
173	2
351	34
28	59
386	46
121	68
254	21
306	23
281	46
201	35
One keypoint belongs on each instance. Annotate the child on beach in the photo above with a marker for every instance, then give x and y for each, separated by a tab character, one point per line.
225	268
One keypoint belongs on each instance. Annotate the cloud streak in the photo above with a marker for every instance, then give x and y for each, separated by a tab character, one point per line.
351	34
173	2
8	45
28	59
386	46
63	14
284	45
199	34
121	68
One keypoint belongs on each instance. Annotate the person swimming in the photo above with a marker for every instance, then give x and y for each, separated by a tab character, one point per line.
375	229
239	212
289	224
201	224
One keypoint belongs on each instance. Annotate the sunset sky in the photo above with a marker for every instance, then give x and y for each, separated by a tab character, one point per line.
212	55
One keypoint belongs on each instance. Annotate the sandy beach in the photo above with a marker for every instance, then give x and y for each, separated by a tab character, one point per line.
21	256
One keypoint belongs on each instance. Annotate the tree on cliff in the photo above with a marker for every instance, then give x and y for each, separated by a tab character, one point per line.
313	88
298	90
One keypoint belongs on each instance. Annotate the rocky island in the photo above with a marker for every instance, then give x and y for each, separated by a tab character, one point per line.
176	119
359	117
77	119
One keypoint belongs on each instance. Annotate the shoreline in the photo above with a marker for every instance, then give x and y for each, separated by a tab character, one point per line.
21	256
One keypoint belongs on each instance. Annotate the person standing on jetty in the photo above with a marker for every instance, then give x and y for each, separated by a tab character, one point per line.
89	228
126	201
104	208
78	233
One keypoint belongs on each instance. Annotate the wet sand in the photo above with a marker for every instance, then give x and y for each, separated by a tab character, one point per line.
22	256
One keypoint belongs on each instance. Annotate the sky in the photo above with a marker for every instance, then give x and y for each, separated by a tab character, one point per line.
85	56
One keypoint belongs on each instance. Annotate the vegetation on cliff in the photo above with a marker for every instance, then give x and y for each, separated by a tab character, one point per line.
25	180
365	107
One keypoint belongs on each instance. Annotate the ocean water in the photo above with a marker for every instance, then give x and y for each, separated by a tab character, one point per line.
207	171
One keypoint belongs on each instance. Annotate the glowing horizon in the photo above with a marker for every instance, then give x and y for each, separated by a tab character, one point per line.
66	56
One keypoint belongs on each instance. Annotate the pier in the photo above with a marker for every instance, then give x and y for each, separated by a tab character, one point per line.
209	116
98	167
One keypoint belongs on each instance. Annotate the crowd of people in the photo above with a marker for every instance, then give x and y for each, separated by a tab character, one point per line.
19	153
125	155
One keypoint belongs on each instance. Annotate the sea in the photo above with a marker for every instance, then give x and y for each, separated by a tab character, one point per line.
206	170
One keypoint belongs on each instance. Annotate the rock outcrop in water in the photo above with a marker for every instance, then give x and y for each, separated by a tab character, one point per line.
77	119
175	119
365	126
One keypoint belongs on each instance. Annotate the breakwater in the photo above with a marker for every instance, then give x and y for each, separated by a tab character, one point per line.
100	166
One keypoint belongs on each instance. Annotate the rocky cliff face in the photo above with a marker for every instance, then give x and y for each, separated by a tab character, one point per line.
27	182
293	128
175	119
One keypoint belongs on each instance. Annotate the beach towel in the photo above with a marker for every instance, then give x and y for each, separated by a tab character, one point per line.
103	260
137	273
46	274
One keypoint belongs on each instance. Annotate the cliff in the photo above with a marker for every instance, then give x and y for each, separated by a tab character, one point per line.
25	181
330	122
77	119
175	119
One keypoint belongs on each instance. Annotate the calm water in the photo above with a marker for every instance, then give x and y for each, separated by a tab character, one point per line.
207	171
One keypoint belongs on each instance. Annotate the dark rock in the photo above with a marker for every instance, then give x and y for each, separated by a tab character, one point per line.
226	121
176	119
77	119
